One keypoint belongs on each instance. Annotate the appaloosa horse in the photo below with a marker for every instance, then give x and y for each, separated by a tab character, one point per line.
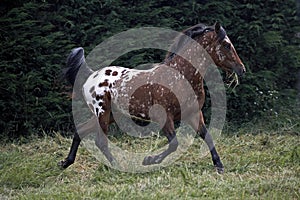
106	86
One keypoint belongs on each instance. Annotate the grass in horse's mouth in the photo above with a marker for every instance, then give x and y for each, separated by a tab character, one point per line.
232	80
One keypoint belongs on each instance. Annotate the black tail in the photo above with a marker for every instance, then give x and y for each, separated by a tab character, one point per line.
76	62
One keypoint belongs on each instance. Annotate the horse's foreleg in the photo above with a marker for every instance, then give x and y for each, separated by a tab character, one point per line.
199	126
170	133
156	159
205	135
83	130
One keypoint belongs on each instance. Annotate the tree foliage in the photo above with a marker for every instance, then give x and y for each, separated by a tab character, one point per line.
36	37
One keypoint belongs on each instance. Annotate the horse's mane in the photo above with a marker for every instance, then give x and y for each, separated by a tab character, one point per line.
191	32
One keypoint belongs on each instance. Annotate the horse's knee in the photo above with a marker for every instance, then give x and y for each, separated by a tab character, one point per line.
173	145
173	142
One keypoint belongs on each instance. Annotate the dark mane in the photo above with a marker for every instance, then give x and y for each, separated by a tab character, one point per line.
191	32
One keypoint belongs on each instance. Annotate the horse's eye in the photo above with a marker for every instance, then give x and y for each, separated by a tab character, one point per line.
227	46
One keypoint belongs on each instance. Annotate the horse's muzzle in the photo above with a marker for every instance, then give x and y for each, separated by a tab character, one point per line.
239	69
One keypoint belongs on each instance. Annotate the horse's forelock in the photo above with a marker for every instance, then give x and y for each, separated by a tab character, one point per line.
201	29
197	30
181	40
192	32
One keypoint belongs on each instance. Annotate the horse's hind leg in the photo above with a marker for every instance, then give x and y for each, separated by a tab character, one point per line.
101	137
83	130
170	133
72	154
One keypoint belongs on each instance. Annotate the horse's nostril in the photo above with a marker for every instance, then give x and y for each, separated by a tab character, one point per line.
243	69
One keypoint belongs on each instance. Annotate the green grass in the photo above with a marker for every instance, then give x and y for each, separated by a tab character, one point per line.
261	166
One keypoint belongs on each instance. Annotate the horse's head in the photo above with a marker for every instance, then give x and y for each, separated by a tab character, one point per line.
222	51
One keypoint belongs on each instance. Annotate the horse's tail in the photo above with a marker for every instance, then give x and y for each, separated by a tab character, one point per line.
76	62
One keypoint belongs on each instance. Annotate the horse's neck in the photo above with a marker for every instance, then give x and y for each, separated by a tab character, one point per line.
197	56
190	73
194	64
193	69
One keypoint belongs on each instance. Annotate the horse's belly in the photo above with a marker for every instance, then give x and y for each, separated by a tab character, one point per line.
149	101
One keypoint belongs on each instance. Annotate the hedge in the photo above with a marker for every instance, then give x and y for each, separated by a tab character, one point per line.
36	37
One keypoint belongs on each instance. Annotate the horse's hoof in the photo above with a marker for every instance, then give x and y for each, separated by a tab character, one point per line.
115	164
150	160
219	166
147	160
64	164
220	170
61	164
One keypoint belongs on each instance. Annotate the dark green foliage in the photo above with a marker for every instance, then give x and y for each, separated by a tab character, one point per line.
36	37
270	49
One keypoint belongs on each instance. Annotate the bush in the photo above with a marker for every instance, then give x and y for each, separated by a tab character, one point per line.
37	36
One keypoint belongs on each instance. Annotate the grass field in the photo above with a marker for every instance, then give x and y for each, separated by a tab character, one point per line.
257	166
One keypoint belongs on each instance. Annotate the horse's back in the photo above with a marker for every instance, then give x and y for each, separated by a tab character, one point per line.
112	81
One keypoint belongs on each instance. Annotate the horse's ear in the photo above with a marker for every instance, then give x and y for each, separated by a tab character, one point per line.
217	27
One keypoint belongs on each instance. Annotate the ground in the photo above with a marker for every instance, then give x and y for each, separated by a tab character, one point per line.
257	166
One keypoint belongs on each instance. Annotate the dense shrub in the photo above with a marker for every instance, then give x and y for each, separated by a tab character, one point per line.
36	37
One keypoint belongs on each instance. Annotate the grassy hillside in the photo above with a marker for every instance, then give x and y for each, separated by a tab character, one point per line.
262	166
